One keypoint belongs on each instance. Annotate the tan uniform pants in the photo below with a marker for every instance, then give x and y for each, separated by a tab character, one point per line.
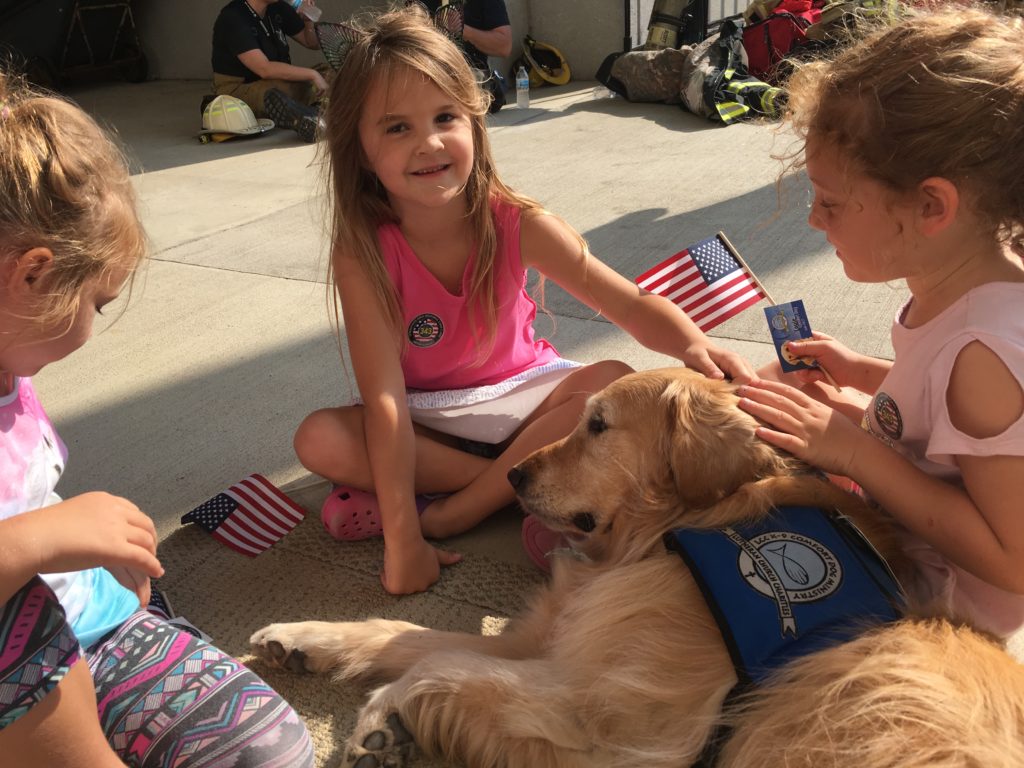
253	93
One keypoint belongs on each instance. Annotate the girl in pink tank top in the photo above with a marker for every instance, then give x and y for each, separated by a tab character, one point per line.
430	256
910	141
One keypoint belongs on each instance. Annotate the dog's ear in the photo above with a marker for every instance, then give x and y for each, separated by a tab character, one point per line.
709	442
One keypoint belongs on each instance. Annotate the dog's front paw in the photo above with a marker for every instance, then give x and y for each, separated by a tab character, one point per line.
380	741
298	647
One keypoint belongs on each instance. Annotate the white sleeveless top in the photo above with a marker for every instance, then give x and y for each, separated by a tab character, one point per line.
32	459
908	412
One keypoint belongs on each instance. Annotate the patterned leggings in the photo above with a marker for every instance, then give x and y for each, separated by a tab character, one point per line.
165	698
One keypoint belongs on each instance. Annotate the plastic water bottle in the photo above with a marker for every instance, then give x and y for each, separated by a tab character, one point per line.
522	88
311	12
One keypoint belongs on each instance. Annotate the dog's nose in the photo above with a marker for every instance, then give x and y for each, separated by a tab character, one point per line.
584	521
515	477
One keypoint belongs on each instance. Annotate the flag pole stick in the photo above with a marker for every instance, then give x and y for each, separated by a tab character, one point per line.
736	255
828	376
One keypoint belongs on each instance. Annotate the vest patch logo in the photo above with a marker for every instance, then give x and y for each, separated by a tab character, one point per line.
887	414
425	330
787	568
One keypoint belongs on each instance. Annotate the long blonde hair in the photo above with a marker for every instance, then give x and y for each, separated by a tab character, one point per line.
939	93
405	39
64	186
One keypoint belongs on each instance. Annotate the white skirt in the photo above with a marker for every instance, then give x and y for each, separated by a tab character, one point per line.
491	413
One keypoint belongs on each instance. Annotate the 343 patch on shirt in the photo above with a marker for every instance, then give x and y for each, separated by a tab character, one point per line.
887	414
425	330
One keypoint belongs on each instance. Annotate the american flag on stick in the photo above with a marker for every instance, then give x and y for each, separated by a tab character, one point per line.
249	517
708	280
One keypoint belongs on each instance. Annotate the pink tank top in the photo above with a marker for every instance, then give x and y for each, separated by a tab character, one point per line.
909	413
442	350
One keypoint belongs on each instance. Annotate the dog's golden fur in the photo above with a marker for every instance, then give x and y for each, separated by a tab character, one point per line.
618	661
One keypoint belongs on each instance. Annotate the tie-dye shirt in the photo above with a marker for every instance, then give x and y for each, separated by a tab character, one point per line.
32	458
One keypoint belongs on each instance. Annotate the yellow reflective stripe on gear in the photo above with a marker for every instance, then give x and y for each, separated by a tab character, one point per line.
768	100
731	110
737	87
222	109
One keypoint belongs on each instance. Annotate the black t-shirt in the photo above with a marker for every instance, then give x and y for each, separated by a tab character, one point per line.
479	14
238	29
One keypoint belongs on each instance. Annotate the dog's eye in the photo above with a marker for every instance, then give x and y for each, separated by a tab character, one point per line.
597	424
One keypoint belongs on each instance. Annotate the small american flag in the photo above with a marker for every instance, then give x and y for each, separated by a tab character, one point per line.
706	280
159	605
249	517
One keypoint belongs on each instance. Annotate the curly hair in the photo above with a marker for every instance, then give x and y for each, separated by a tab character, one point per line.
938	93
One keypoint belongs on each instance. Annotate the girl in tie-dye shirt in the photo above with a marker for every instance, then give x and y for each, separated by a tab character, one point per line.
129	688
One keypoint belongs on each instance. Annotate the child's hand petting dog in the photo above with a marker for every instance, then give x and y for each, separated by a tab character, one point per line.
799	424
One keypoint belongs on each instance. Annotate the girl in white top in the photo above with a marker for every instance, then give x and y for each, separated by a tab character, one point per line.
912	144
88	677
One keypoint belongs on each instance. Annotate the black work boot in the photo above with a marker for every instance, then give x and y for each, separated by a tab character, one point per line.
286	112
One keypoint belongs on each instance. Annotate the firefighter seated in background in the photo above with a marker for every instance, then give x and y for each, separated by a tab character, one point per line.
486	32
251	61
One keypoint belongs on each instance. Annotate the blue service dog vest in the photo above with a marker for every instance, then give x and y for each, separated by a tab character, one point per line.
786	586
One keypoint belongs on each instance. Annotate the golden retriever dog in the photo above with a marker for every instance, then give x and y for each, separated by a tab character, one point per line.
619	663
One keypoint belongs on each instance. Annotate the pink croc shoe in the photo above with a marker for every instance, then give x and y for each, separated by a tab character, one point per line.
539	541
349	514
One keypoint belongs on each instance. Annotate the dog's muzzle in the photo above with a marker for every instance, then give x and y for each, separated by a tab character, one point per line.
519	480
